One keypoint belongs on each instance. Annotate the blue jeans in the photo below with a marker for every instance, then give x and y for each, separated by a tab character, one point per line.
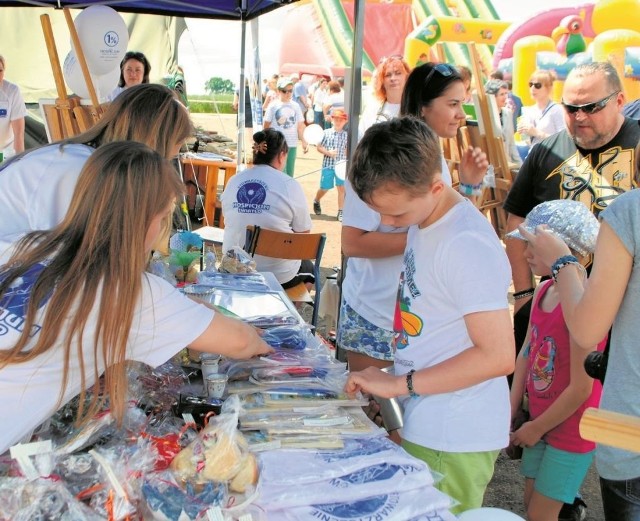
621	499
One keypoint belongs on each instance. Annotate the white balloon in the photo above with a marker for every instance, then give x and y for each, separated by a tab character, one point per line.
313	134
341	169
104	37
488	514
72	73
103	84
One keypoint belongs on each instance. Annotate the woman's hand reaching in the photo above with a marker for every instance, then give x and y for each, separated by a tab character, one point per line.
473	166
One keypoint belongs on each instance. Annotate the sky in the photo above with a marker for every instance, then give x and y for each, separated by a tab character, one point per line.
212	47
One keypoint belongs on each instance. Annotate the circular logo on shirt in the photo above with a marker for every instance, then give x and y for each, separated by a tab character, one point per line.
250	197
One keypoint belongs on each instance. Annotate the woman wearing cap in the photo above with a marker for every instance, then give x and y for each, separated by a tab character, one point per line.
285	115
12	113
549	369
546	117
500	89
264	196
610	297
387	86
134	70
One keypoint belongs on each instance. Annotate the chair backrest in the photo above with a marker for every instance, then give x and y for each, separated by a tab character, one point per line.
284	245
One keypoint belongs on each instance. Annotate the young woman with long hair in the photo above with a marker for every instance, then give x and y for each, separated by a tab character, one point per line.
36	187
76	302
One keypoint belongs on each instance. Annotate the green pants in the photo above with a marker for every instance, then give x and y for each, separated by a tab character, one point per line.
291	161
465	474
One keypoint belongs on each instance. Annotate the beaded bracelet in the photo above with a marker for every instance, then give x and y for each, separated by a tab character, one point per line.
412	393
562	262
523	294
466	189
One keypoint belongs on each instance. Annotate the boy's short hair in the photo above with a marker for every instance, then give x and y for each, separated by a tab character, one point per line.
403	151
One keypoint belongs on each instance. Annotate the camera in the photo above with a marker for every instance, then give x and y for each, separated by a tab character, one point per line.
595	365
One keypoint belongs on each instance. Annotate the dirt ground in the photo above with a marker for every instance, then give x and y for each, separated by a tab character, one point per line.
506	488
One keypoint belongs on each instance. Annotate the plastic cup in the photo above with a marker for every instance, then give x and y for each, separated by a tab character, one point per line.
216	384
209	364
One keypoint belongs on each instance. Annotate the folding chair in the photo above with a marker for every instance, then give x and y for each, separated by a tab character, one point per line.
283	245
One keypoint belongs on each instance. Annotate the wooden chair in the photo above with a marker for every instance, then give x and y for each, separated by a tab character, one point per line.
283	245
216	175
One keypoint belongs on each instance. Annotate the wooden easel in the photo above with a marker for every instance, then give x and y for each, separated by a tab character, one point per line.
492	144
67	117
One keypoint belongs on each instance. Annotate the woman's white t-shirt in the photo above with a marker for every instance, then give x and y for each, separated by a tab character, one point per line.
263	196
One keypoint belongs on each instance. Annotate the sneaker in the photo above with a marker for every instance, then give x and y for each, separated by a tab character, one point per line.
339	216
576	511
317	208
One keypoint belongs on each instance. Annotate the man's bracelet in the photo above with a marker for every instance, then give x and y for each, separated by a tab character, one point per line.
412	393
523	294
563	262
466	189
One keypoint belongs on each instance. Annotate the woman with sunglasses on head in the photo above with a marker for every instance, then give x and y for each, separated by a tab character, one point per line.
134	70
387	85
546	117
433	93
36	187
76	302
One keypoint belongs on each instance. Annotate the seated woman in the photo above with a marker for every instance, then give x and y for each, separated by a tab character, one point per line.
267	197
134	70
76	301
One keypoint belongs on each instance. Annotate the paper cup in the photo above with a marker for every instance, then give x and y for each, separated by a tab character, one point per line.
209	364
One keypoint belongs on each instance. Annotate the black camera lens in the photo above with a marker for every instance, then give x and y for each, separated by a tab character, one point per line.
595	365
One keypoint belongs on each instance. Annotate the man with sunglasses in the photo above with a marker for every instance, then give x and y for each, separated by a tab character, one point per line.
285	115
591	161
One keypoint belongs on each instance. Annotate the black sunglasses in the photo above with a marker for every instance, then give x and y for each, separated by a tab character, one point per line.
589	108
444	69
535	84
286	91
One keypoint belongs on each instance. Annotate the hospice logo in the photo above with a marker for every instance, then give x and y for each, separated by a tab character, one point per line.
251	196
375	508
14	303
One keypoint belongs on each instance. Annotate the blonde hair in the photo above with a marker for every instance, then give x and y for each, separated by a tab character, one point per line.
545	77
93	258
2	61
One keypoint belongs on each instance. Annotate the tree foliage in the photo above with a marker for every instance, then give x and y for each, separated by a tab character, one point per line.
218	85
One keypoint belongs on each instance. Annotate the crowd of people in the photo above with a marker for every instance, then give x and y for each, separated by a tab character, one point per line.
424	315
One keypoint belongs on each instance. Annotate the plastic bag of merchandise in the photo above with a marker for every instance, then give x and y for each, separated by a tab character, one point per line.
164	500
236	260
219	453
42	498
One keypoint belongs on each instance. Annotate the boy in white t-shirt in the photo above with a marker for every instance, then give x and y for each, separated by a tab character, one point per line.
453	334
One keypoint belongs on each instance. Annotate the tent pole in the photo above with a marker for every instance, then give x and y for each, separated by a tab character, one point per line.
241	94
355	96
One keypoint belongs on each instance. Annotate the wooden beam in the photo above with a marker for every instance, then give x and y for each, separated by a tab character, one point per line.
611	428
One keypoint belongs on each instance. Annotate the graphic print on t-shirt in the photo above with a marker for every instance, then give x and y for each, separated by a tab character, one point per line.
596	187
250	197
285	116
543	364
405	323
15	302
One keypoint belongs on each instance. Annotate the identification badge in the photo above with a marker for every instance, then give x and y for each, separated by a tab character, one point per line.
4	109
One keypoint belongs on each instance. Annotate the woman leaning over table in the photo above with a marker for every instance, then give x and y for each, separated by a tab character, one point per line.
546	117
12	114
36	187
433	93
77	303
